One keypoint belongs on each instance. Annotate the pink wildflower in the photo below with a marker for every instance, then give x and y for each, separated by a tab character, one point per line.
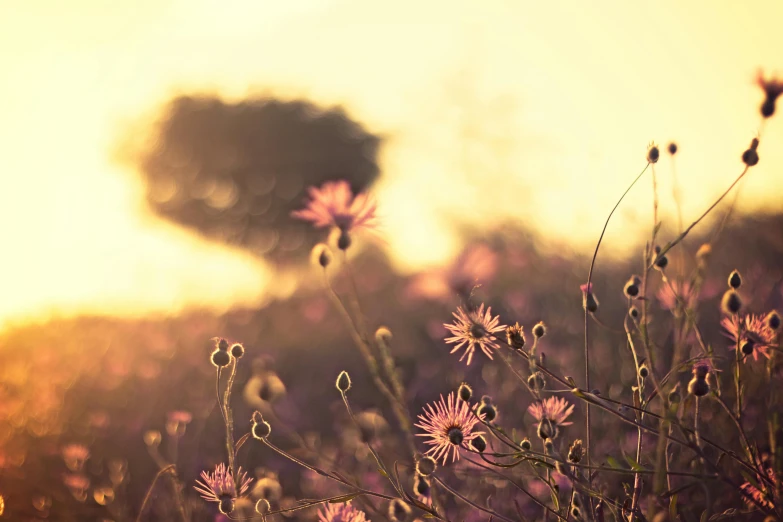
550	413
220	484
341	513
449	425
758	495
753	329
333	204
673	293
474	328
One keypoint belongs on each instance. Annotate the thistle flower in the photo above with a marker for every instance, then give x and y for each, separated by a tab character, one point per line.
550	413
219	486
474	328
341	513
333	204
448	424
754	330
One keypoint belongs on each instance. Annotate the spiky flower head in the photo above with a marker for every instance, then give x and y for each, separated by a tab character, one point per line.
220	486
515	336
474	328
550	413
750	330
333	204
576	452
341	513
448	425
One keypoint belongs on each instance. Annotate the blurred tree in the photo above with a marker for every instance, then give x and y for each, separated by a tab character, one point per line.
235	171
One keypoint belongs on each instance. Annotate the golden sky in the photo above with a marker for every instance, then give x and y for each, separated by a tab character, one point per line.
527	110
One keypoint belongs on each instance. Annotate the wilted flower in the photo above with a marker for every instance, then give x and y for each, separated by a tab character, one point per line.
551	413
474	328
219	485
448	425
333	204
754	330
341	513
515	336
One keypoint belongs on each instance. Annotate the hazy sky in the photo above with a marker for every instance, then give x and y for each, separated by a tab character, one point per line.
539	112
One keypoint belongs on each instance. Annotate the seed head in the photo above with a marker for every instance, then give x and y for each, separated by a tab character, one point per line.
525	444
222	345
479	444
731	302
260	429
751	157
464	392
220	358
653	154
661	262
633	312
343	382
548	445
576	452
735	280
773	320
237	350
672	148
426	466
644	371
515	336
262	506
399	511
489	411
539	330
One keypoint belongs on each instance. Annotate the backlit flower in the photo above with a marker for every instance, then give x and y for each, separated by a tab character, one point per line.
449	425
333	204
341	513
758	495
753	329
550	413
474	328
218	485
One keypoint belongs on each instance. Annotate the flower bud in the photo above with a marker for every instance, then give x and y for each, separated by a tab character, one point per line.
698	387
747	346
735	280
465	392
220	358
772	321
539	330
731	302
653	154
631	288
644	372
515	336
672	148
344	241
479	444
237	350
426	466
488	411
576	452
343	382
536	381
525	444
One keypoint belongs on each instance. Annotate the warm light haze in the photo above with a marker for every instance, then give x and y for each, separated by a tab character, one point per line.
537	112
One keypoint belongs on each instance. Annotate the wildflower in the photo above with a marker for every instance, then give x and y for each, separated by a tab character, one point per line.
589	301
399	511
448	424
515	336
754	330
333	204
551	413
75	455
219	486
341	513
539	330
773	88
758	495
474	328
731	303
673	293
465	392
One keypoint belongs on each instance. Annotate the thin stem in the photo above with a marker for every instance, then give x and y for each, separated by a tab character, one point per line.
470	502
